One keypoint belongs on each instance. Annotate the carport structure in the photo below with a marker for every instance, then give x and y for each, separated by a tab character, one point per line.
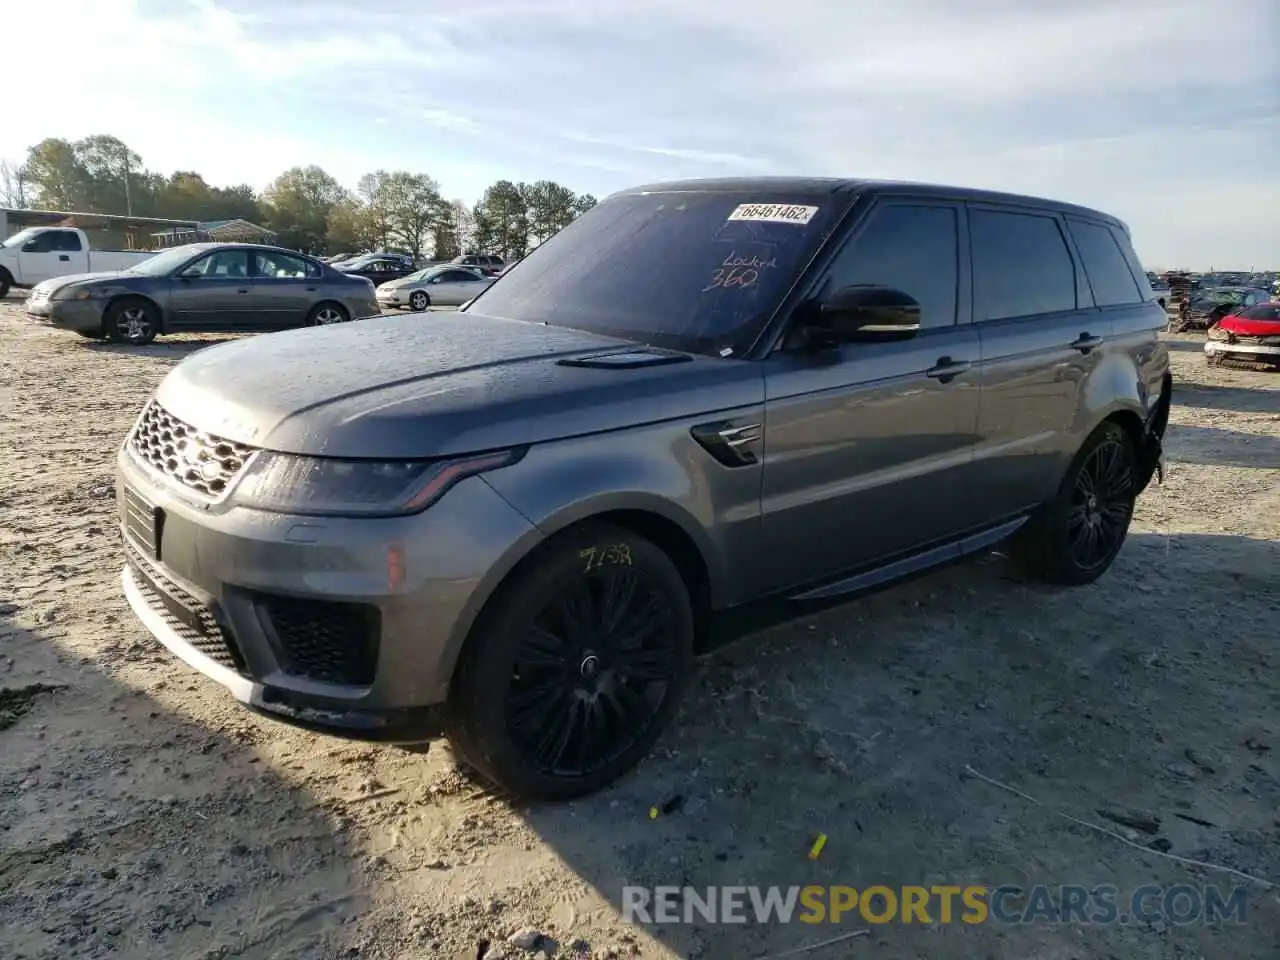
106	231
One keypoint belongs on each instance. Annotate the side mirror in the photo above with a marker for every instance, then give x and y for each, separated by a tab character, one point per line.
868	312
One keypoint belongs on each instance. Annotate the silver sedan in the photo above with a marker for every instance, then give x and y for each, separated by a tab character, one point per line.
442	286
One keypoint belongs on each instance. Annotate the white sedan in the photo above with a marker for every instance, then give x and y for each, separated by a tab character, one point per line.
441	286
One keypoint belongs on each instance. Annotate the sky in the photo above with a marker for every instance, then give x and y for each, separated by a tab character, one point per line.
1165	113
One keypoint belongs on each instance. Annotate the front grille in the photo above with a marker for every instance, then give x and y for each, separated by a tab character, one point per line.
324	640
197	459
187	615
38	296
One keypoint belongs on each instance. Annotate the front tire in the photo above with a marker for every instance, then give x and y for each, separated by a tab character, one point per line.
131	321
1075	539
419	301
576	667
327	314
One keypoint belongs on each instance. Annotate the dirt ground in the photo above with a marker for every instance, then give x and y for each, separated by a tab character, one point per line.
143	815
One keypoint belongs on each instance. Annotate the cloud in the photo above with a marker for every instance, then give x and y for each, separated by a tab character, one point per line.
1117	105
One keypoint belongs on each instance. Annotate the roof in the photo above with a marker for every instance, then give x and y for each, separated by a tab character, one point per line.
834	185
20	213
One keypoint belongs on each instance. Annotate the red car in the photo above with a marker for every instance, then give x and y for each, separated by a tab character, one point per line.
1252	333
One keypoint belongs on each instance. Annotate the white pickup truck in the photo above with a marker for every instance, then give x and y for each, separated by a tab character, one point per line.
41	253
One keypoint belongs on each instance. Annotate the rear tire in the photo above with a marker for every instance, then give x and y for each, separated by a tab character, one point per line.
326	314
1076	537
5	283
132	321
576	667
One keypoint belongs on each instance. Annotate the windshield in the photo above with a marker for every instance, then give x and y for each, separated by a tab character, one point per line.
696	271
19	238
163	264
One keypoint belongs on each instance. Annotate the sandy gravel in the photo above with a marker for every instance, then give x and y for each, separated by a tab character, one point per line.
143	815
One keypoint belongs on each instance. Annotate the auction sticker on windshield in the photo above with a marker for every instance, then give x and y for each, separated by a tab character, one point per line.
774	213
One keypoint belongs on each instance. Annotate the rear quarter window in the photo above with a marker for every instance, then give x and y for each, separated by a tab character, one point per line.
1109	276
1021	265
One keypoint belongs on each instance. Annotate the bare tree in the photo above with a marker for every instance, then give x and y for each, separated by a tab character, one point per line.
13	185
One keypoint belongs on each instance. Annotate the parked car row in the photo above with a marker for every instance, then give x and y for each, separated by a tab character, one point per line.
205	288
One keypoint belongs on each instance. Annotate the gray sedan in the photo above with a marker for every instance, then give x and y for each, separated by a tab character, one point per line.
441	286
203	288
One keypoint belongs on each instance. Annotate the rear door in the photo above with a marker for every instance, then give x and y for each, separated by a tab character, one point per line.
869	446
213	293
53	253
1041	340
285	288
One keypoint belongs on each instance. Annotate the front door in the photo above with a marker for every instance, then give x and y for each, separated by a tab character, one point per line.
869	446
51	253
213	293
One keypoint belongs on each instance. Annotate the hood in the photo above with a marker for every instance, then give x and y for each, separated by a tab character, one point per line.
442	385
1247	327
57	283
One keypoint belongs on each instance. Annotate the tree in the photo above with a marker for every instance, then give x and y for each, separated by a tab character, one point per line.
13	185
551	207
116	178
59	180
297	206
350	227
502	221
414	208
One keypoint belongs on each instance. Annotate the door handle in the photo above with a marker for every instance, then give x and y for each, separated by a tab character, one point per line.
311	289
242	290
64	258
947	369
1086	342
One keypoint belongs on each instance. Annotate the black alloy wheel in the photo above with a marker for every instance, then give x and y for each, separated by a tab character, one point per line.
1101	504
592	673
575	667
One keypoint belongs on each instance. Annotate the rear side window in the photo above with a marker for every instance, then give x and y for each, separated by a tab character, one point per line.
1104	265
909	248
1140	276
1021	266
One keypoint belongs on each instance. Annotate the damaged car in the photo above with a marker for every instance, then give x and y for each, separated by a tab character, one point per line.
1251	334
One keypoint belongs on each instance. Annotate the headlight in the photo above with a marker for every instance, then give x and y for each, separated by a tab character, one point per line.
83	293
325	486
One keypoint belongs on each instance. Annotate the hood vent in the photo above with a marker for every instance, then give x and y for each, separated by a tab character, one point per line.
626	359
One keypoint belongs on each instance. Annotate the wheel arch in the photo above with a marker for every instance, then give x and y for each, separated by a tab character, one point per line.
651	518
125	295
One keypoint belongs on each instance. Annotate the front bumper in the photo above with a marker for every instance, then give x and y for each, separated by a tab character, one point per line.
392	299
82	316
1226	348
347	626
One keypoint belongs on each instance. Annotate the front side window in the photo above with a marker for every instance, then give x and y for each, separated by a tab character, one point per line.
913	249
1021	266
225	264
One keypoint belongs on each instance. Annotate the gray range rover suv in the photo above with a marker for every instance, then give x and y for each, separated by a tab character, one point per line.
516	524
